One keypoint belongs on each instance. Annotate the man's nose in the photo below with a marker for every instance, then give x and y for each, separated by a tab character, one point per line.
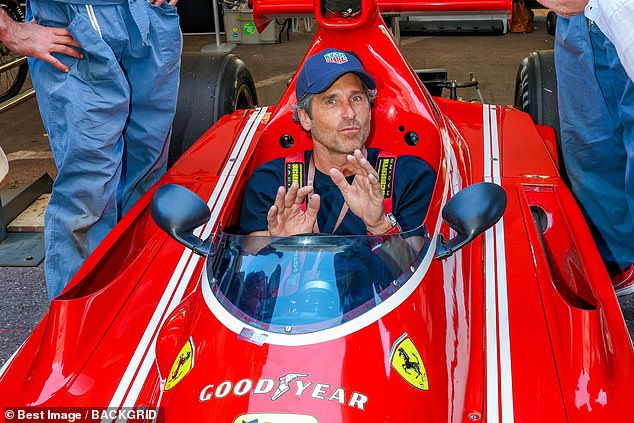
347	111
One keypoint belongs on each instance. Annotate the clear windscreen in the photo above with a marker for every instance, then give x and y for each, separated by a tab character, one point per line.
310	282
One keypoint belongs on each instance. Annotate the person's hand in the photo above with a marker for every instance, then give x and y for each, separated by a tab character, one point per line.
364	196
286	217
157	3
565	8
38	41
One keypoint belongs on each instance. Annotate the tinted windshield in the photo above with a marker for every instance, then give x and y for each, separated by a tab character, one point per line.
309	282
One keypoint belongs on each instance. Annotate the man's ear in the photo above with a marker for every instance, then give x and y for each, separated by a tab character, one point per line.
304	120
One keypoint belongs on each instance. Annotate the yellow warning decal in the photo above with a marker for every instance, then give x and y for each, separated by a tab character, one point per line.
182	365
407	361
294	174
385	169
275	418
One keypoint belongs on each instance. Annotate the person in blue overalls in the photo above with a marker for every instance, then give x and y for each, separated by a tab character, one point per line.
596	110
108	118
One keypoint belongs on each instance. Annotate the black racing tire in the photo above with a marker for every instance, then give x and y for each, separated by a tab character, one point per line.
211	86
536	93
551	22
11	81
536	88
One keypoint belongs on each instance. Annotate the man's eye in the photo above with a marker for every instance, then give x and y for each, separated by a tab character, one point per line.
330	101
357	98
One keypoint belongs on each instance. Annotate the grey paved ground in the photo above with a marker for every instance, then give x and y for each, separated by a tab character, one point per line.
494	59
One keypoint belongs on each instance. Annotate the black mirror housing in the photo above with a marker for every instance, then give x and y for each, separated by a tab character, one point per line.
470	212
178	211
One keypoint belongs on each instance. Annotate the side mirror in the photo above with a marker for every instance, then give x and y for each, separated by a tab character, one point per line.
470	212
178	211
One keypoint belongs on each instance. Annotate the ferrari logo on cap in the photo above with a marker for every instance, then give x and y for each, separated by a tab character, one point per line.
182	365
336	57
406	360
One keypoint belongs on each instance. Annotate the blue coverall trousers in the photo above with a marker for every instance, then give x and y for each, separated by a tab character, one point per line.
108	120
596	110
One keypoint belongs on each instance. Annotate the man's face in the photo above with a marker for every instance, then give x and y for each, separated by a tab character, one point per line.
341	116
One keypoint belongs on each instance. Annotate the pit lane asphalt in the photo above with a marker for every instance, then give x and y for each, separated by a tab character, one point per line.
494	60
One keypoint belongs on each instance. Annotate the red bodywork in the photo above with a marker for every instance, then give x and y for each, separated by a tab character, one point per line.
510	328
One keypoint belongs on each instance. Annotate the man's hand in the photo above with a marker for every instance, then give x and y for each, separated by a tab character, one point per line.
37	41
565	8
286	217
364	196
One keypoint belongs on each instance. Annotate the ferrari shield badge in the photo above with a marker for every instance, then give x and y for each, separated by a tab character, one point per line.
275	418
182	365
406	360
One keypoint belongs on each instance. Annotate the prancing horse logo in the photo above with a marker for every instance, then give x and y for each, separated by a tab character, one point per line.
181	361
408	364
182	365
407	361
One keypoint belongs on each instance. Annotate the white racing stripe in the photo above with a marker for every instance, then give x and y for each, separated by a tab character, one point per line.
489	275
499	385
134	377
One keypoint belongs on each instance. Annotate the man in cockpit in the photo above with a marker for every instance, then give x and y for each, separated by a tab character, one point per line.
343	193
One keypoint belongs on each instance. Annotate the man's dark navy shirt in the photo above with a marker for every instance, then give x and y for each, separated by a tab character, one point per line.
413	183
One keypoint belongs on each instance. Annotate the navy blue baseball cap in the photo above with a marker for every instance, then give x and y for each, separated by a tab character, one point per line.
322	69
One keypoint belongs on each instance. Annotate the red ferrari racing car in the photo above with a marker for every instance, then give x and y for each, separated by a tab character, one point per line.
497	309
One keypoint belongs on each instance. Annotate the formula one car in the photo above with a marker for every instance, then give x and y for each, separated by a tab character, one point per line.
497	309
